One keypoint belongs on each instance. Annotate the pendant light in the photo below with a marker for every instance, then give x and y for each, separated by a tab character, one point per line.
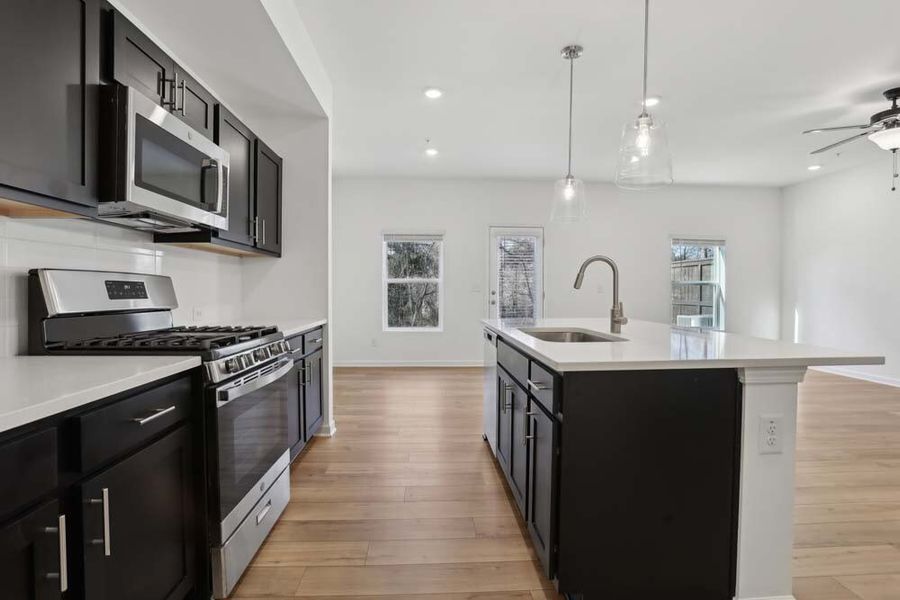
644	159
568	192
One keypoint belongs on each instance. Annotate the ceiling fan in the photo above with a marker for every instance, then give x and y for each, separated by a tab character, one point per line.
883	129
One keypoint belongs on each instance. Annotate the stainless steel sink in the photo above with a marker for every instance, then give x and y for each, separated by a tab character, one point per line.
570	336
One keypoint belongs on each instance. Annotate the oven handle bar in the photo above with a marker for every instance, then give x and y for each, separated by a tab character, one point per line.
226	395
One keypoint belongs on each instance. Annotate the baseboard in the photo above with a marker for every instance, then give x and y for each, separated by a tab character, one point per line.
850	372
408	363
327	430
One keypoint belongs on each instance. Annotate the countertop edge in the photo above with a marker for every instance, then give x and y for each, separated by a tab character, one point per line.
54	406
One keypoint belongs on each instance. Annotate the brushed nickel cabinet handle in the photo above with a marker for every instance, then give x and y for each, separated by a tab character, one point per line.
264	232
63	574
262	514
107	551
317	341
537	386
156	414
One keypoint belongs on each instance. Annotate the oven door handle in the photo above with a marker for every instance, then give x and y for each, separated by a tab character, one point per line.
224	396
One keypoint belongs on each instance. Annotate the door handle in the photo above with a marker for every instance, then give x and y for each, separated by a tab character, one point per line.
157	413
262	514
537	386
63	574
104	500
255	229
181	109
264	232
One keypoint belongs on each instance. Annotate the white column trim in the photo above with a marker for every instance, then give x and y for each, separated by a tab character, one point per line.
771	375
766	506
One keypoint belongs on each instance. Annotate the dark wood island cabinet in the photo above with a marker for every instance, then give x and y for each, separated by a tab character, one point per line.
627	480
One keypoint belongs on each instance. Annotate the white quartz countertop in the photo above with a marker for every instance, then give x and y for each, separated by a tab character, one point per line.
658	346
289	325
35	387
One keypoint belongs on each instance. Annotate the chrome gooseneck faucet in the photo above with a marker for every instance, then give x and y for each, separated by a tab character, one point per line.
617	316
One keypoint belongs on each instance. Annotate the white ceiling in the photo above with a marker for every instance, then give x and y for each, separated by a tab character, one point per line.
739	81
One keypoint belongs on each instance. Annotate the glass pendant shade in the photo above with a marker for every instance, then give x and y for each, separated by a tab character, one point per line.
569	204
644	158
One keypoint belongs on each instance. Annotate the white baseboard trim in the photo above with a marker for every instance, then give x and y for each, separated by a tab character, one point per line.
850	372
408	363
327	430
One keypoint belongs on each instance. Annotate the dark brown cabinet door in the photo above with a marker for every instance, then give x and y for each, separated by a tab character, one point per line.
236	139
313	412
518	473
193	104
30	558
541	520
141	64
138	522
48	107
505	390
268	199
296	437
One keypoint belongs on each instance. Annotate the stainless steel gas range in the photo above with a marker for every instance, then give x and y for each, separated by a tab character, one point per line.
244	397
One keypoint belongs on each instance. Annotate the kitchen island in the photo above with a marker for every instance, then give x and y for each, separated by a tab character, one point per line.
657	462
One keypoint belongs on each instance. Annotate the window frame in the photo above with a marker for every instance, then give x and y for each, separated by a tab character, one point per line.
385	280
719	303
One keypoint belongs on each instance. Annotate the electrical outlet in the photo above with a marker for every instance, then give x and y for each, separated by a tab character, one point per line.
197	314
771	433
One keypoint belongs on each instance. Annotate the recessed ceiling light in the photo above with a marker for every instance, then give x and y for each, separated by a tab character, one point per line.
814	167
652	101
433	93
431	151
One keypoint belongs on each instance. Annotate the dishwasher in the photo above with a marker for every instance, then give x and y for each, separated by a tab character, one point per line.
490	389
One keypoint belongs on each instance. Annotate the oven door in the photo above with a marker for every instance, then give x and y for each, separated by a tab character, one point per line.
171	171
252	440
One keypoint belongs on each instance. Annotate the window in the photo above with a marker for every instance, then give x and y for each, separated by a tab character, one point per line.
698	283
413	282
516	273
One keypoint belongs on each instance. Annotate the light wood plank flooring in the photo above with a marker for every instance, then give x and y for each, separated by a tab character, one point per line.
405	502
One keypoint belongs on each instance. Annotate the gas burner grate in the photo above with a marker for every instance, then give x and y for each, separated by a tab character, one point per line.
185	339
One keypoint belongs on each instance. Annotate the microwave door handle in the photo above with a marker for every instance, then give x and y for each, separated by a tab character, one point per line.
221	189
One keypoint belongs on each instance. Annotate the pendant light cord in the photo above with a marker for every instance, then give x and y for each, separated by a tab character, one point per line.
571	88
646	35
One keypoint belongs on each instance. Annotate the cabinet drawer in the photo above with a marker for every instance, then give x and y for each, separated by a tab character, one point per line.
127	424
515	363
544	387
312	340
30	462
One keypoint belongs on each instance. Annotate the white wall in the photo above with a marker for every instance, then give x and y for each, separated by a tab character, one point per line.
633	228
841	276
209	283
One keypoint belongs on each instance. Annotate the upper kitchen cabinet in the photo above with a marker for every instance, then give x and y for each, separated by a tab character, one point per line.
48	109
194	104
137	62
235	138
268	199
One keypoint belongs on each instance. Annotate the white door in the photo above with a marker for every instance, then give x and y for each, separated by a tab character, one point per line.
516	287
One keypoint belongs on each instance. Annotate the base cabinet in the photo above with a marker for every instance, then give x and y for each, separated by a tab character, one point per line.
313	410
306	400
511	438
139	538
543	444
126	524
31	565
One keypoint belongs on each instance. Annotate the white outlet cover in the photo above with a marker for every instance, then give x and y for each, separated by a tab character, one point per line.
771	434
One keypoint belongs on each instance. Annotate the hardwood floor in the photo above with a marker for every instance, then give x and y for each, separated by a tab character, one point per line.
406	503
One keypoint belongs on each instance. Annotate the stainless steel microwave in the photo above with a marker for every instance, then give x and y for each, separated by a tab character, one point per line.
156	172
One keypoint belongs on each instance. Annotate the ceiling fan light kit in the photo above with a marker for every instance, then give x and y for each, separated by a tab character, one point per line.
569	203
883	130
644	159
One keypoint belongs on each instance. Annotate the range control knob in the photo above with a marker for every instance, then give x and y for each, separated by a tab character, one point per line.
275	349
232	365
261	354
247	360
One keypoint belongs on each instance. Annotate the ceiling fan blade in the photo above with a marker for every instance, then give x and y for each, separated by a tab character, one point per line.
841	143
821	129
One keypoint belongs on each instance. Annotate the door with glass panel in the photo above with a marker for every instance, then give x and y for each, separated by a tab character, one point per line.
516	289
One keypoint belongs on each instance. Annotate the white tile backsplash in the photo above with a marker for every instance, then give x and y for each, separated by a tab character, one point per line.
209	286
